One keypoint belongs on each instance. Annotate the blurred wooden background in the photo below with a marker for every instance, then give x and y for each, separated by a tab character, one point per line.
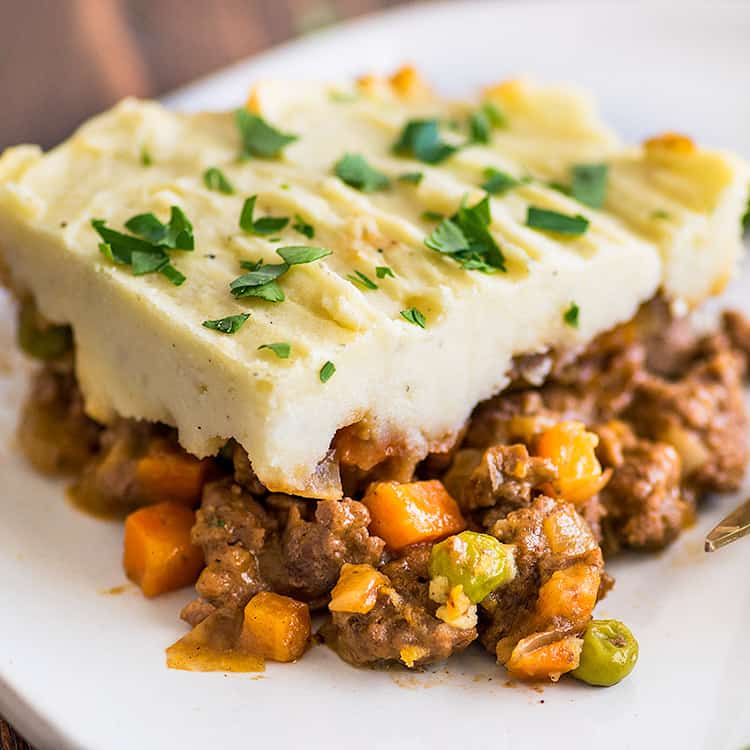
64	60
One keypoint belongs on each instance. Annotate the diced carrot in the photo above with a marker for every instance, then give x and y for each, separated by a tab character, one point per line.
572	449
675	143
252	104
569	593
357	589
275	627
547	661
170	475
404	514
407	82
159	555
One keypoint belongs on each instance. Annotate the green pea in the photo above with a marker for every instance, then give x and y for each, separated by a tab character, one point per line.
478	562
609	653
41	341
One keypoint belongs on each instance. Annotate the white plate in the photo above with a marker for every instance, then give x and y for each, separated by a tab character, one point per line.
79	668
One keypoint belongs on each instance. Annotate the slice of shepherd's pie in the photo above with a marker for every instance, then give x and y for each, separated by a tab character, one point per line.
333	278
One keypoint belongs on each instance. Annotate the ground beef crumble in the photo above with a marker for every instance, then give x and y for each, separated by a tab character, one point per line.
251	547
402	625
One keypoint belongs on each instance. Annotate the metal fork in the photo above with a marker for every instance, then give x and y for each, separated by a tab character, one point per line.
735	525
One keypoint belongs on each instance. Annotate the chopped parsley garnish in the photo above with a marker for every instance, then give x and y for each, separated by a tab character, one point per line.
264	226
589	184
497	182
145	250
662	214
552	221
281	349
746	219
480	128
413	316
382	271
360	279
571	315
466	238
432	216
354	170
326	372
214	179
298	254
481	123
172	275
421	139
230	324
146	158
258	137
561	187
301	226
495	115
412	177
176	234
260	281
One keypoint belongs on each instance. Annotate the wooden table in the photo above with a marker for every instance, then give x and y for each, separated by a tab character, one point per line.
64	60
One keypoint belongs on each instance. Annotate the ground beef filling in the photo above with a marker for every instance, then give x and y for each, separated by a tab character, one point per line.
402	625
665	403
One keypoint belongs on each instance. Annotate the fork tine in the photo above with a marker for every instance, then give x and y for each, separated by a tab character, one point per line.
735	525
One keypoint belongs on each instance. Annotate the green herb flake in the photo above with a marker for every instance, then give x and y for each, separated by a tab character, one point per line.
432	216
354	170
281	349
662	214
570	316
561	187
589	184
230	324
745	221
215	179
421	140
146	249
270	291
262	227
295	255
143	263
146	158
552	221
326	372
482	122
259	138
497	182
497	118
480	128
360	279
447	238
176	234
172	275
414	316
382	271
301	226
413	178
466	238
260	281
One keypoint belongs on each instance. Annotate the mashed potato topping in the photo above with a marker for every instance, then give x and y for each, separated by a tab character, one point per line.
397	335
